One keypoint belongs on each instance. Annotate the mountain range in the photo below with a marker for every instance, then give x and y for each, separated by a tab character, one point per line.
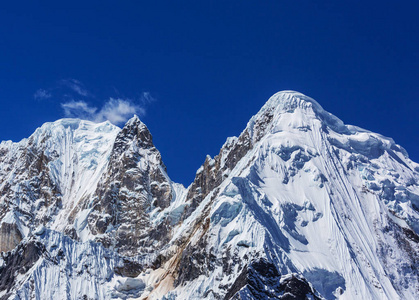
298	206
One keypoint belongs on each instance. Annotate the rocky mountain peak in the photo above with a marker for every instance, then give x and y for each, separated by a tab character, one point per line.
134	184
134	127
134	134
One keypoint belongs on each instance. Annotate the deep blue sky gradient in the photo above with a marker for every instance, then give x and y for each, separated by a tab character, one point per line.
211	65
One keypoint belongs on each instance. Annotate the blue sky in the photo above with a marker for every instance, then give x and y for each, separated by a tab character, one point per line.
196	71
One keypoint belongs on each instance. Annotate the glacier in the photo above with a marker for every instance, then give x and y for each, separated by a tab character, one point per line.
298	206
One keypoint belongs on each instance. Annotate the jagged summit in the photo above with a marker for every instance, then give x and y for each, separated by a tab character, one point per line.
136	129
134	119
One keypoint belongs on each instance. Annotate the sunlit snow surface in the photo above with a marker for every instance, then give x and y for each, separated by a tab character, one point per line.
325	200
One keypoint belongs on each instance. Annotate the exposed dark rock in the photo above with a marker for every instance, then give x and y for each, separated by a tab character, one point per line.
296	288
195	260
129	268
10	237
411	235
17	262
262	280
162	233
255	277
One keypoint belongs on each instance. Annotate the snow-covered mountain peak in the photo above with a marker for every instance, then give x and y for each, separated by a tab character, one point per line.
290	100
290	109
72	124
65	139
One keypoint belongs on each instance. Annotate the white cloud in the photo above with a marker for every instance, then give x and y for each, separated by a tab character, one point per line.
76	103
42	94
78	109
117	111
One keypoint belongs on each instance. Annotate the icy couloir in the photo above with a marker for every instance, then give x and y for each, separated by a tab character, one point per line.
299	206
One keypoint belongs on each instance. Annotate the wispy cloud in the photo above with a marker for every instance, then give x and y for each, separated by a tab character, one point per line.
42	94
146	98
76	86
117	111
64	88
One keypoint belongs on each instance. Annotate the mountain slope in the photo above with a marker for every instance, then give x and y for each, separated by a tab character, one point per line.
298	206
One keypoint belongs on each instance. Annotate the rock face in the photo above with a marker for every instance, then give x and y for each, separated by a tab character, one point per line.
299	206
261	280
134	185
18	262
10	237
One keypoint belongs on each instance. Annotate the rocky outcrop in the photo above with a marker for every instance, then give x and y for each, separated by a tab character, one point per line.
261	280
17	263
10	236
